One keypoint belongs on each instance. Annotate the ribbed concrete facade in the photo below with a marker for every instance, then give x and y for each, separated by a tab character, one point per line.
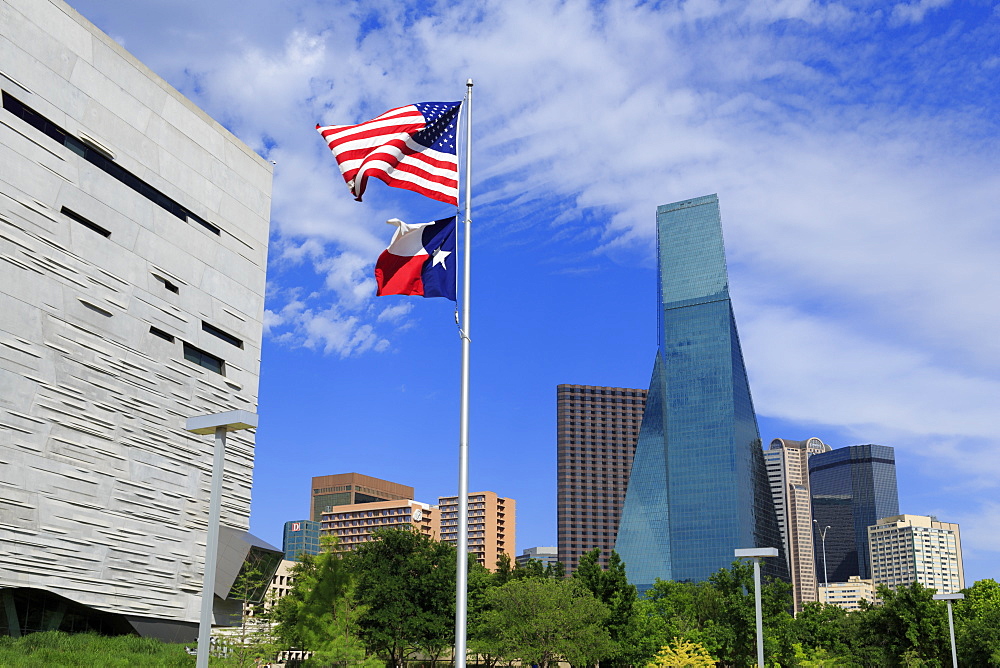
133	245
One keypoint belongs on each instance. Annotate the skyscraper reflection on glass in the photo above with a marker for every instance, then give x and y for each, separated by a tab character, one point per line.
698	488
852	489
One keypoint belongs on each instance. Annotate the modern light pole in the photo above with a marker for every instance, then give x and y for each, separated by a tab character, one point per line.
951	622
822	536
218	424
756	553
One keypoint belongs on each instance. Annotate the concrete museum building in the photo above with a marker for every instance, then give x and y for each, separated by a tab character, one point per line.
133	244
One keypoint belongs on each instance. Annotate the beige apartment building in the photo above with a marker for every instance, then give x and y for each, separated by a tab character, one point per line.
352	507
354	524
847	595
916	548
492	521
787	465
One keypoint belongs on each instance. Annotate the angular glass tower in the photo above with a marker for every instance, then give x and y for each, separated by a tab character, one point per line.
698	488
852	489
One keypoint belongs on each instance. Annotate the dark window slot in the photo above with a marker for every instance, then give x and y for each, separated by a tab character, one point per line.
102	162
97	309
225	336
167	284
201	358
160	333
33	118
204	223
90	225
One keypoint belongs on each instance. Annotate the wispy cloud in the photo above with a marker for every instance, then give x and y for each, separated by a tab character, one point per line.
914	12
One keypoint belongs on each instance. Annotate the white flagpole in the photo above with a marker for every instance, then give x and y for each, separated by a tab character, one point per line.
462	566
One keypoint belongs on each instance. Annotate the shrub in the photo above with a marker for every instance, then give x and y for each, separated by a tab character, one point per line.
683	653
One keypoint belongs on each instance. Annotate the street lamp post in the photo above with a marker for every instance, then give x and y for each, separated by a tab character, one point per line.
951	622
756	553
822	536
218	424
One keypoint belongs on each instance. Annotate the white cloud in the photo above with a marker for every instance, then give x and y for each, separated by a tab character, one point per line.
979	527
396	313
806	366
914	12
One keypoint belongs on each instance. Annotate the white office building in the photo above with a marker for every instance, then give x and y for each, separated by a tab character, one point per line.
916	548
133	244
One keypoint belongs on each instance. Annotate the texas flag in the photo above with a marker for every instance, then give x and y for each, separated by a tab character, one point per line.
420	260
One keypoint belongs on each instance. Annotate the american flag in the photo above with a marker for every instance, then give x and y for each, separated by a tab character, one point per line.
412	147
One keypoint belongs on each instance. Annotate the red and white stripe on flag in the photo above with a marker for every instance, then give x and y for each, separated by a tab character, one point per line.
386	149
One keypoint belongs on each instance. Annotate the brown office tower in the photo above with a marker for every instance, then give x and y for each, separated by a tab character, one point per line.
492	522
597	432
344	489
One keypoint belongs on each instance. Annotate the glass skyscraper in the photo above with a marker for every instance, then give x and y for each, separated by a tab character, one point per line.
852	489
300	537
698	488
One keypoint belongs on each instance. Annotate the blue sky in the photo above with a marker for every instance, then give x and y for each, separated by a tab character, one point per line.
853	147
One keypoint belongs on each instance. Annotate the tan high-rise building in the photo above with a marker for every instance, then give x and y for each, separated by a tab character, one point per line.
492	521
597	429
916	548
355	523
345	489
788	475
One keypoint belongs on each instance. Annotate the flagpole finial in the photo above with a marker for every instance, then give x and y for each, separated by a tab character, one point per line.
469	83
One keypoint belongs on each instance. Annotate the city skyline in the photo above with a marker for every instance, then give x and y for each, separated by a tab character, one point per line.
850	145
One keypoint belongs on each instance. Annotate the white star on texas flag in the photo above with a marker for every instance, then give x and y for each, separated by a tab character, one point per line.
439	257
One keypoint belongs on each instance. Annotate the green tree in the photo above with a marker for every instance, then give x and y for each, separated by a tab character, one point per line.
253	640
545	620
822	627
733	631
405	585
611	587
555	569
319	614
646	635
864	636
481	583
505	570
687	609
977	625
908	628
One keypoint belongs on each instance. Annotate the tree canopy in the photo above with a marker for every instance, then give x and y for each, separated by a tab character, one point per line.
545	620
394	598
405	584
